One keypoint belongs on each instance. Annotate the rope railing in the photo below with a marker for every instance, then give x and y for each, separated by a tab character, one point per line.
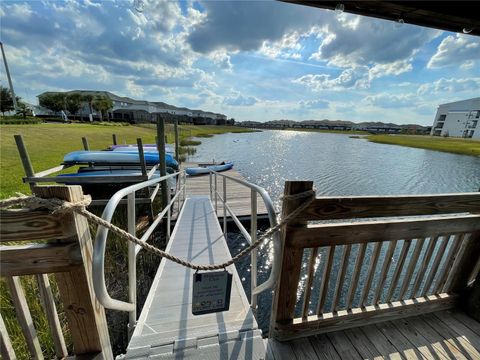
79	207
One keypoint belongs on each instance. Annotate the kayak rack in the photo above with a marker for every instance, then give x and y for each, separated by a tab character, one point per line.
51	175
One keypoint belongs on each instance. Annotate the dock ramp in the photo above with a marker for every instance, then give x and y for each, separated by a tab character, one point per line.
166	328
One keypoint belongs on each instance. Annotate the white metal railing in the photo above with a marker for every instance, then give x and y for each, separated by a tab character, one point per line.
251	236
133	249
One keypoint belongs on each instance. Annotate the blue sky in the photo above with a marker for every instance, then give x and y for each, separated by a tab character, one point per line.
251	60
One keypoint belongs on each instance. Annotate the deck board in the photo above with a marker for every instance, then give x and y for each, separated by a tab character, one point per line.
167	326
442	335
238	197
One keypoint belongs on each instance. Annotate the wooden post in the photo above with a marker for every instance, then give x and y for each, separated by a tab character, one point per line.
6	348
177	145
161	156
467	264
24	317
114	139
48	304
27	164
141	157
285	297
85	143
85	315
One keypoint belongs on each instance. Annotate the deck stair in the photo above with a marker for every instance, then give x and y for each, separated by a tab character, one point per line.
166	327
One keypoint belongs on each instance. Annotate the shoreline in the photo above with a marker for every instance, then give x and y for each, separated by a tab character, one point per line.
459	146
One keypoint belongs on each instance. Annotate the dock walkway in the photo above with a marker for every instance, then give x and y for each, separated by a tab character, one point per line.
166	327
238	196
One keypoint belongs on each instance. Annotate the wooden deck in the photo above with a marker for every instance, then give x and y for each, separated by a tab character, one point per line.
440	335
238	198
166	326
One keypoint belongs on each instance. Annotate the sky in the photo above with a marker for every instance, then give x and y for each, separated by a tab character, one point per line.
251	60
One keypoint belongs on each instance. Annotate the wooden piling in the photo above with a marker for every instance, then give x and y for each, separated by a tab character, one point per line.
27	164
85	144
161	156
177	145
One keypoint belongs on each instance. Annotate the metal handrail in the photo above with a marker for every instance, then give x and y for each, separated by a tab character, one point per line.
98	272
250	237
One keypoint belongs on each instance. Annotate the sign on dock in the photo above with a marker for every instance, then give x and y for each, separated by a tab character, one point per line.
211	292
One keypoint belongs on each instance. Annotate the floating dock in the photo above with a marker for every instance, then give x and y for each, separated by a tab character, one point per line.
238	196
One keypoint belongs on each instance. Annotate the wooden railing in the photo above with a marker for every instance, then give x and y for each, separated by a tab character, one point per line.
384	257
65	250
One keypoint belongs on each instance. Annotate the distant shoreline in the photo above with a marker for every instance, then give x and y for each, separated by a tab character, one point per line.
451	145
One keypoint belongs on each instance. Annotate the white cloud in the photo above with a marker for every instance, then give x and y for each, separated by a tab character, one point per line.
451	86
394	68
314	104
385	100
458	49
237	99
353	78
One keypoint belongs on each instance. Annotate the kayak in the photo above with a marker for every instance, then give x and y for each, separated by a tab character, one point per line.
116	158
146	148
108	177
206	169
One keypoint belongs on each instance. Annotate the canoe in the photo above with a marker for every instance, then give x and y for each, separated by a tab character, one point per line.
90	176
206	169
116	158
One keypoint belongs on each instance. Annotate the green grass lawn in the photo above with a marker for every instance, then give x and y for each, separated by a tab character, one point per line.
452	145
48	143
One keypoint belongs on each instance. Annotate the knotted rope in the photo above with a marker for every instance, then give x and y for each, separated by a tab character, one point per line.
79	207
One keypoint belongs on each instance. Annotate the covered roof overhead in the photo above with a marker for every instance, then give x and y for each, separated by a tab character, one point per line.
456	16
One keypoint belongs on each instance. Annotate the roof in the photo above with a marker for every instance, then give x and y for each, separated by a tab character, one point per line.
448	15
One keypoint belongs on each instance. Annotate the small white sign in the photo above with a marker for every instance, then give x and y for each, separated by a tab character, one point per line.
211	292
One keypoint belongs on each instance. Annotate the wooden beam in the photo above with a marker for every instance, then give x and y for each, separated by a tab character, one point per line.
39	258
382	230
24	317
85	315
346	319
25	225
327	208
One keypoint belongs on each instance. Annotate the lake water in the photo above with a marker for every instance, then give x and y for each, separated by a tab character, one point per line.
338	165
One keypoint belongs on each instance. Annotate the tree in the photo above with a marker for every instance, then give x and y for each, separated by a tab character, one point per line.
6	101
23	109
102	104
53	101
74	103
88	98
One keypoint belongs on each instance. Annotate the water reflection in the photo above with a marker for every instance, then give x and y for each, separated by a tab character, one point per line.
338	165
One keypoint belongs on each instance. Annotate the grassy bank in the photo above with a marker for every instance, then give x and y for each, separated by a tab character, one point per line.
350	132
451	145
48	143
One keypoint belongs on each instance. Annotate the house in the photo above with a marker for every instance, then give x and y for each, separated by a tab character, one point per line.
458	119
133	111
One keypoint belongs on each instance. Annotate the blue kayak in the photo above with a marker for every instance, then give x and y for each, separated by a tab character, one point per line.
146	148
116	158
206	169
91	176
